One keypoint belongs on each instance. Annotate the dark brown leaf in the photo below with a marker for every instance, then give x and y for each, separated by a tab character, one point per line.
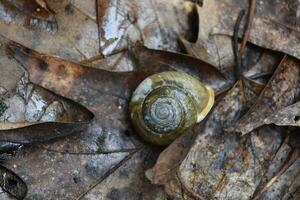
105	135
12	183
169	160
149	58
278	93
76	81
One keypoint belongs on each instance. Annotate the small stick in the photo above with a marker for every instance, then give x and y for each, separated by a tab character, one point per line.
251	12
237	56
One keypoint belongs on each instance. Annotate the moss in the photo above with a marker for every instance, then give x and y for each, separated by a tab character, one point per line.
3	107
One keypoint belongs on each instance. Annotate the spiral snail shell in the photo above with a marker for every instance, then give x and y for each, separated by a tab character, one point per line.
166	104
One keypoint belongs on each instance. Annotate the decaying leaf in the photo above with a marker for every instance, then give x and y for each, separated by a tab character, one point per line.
105	159
168	161
275	24
12	183
156	24
35	14
278	93
76	38
226	165
214	49
287	116
289	169
105	135
208	74
78	82
129	181
175	190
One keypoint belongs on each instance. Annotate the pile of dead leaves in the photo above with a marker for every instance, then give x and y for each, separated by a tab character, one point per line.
65	131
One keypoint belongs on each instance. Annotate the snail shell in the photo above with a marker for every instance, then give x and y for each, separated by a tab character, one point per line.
166	104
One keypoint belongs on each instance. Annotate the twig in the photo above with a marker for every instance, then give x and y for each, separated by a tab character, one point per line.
251	12
284	25
237	56
90	153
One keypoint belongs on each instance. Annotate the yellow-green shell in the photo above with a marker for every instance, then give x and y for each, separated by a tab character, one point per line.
166	104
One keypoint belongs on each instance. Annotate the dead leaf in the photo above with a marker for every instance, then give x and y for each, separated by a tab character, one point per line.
208	74
220	162
169	160
278	93
76	38
288	116
275	25
128	181
105	135
106	159
284	177
76	81
34	14
174	189
12	183
156	24
214	49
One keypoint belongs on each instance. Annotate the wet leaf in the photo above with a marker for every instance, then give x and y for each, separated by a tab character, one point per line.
287	116
75	39
105	158
76	81
214	49
33	14
169	160
156	24
275	25
128	181
284	177
226	165
12	183
278	93
149	58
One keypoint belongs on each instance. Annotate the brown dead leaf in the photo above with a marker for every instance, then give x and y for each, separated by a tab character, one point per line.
225	165
291	160
105	135
76	81
12	183
288	116
156	24
278	93
275	25
77	36
216	49
169	160
33	14
208	74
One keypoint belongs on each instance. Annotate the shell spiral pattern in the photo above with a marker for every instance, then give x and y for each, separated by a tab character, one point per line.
166	104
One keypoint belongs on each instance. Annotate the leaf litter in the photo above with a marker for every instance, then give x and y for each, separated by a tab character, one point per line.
104	158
